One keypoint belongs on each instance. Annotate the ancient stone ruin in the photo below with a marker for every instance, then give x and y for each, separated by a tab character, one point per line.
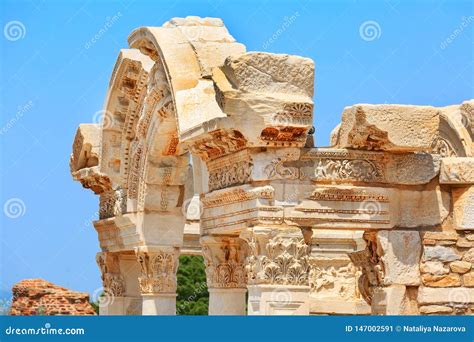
37	297
207	149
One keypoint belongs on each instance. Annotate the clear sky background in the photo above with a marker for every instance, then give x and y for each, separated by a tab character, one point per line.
53	78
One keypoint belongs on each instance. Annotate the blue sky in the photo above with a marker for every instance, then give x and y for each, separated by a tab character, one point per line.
52	80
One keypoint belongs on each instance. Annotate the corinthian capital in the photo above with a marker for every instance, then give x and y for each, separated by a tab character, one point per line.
276	257
224	258
158	269
112	279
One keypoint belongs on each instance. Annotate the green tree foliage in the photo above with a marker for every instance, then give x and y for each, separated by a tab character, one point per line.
193	297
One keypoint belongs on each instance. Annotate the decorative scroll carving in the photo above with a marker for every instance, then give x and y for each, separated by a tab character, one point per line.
444	148
219	143
345	165
284	261
229	175
113	282
224	263
277	169
158	271
112	203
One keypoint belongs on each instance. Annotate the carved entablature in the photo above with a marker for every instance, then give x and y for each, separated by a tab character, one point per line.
333	166
158	270
232	210
344	207
231	170
112	280
276	257
224	258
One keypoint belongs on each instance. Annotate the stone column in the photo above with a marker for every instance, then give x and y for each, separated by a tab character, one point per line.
277	270
225	272
333	278
111	302
159	265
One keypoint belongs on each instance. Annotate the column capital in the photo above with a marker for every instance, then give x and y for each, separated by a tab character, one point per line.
277	256
112	279
159	265
224	258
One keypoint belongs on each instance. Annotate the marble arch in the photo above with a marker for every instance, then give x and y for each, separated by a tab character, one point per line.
204	148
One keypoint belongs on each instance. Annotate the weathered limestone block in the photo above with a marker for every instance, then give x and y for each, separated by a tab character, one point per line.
85	150
469	256
435	309
460	266
400	253
268	96
271	73
450	280
457	171
440	253
468	279
463	199
389	127
452	295
428	207
434	267
333	278
393	300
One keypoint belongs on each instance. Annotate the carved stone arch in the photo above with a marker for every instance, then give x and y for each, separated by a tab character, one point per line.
454	139
127	88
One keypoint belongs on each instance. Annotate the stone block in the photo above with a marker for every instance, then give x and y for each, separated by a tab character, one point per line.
456	170
463	199
400	253
453	295
434	267
450	280
440	253
389	127
460	266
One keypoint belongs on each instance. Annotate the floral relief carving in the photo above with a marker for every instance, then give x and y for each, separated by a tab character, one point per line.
158	271
284	262
112	281
224	266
